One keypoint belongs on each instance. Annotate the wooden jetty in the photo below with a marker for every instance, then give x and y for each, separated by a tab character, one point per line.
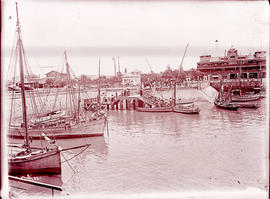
132	102
35	183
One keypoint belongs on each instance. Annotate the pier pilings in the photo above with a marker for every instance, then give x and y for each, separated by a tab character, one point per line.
126	103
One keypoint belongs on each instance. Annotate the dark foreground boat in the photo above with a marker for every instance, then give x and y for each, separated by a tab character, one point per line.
225	105
24	159
30	160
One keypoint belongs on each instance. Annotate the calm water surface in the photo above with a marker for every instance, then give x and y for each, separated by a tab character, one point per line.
170	152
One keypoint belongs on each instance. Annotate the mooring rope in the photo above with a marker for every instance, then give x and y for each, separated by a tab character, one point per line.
66	160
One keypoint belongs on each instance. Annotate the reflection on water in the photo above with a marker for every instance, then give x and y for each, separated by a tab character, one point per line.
171	152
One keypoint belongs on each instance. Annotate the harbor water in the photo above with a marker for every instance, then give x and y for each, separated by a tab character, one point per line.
162	153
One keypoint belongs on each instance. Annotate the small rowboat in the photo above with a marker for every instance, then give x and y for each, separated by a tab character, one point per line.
187	111
190	109
155	109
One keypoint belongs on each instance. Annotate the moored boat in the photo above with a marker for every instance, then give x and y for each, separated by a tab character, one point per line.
154	109
185	102
191	109
62	123
90	129
31	160
245	98
225	105
186	107
24	159
245	104
223	101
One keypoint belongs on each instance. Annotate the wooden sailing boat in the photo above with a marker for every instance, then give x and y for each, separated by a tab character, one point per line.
223	102
243	98
71	122
183	107
66	122
24	159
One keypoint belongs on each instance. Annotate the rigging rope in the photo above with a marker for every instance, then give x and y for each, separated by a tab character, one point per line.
13	92
12	53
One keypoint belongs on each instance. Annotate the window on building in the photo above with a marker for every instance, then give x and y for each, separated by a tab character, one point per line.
224	76
262	74
215	76
233	76
244	75
253	75
252	62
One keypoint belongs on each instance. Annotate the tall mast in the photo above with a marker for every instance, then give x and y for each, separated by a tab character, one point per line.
181	65
70	84
115	73
179	71
19	45
174	93
118	66
79	101
149	66
98	82
260	77
240	72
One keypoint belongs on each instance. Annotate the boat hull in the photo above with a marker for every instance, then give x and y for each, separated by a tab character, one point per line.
246	105
90	129
187	111
48	163
156	109
233	108
226	106
185	102
244	98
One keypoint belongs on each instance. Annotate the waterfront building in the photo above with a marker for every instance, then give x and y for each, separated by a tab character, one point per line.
232	64
56	79
131	79
54	74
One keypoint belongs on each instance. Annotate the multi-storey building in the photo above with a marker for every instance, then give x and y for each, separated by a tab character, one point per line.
232	64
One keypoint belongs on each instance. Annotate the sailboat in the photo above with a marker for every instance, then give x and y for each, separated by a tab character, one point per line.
56	120
223	102
244	98
24	159
183	107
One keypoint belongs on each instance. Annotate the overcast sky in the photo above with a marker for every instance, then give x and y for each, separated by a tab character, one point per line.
134	31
